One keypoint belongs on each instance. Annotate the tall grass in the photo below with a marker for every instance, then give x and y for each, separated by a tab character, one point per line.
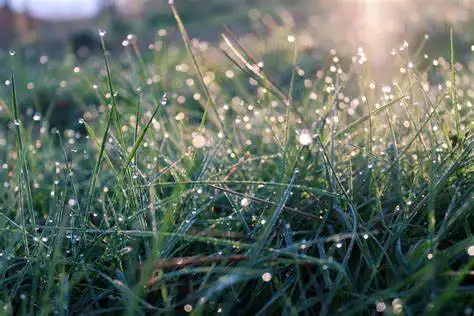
267	188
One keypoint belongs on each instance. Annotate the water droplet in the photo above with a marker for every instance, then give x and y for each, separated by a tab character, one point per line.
12	52
188	308
164	99
304	138
71	202
380	307
245	202
179	116
266	277
199	141
17	122
102	32
36	117
470	251
397	306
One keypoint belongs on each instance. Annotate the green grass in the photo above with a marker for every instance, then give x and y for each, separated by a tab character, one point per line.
127	211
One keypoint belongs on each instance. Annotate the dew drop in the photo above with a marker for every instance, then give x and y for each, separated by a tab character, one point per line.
199	141
304	138
12	52
102	32
164	99
71	202
380	307
179	116
266	277
245	202
397	306
470	251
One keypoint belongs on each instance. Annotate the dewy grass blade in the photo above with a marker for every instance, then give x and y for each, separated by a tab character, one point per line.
139	139
21	150
116	116
137	122
95	173
184	34
263	239
366	117
453	88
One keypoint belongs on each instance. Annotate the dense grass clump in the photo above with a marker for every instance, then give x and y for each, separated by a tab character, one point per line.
239	179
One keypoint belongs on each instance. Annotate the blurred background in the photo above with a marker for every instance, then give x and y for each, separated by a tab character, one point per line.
62	34
345	24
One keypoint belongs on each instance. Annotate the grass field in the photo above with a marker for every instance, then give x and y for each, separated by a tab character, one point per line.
248	177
